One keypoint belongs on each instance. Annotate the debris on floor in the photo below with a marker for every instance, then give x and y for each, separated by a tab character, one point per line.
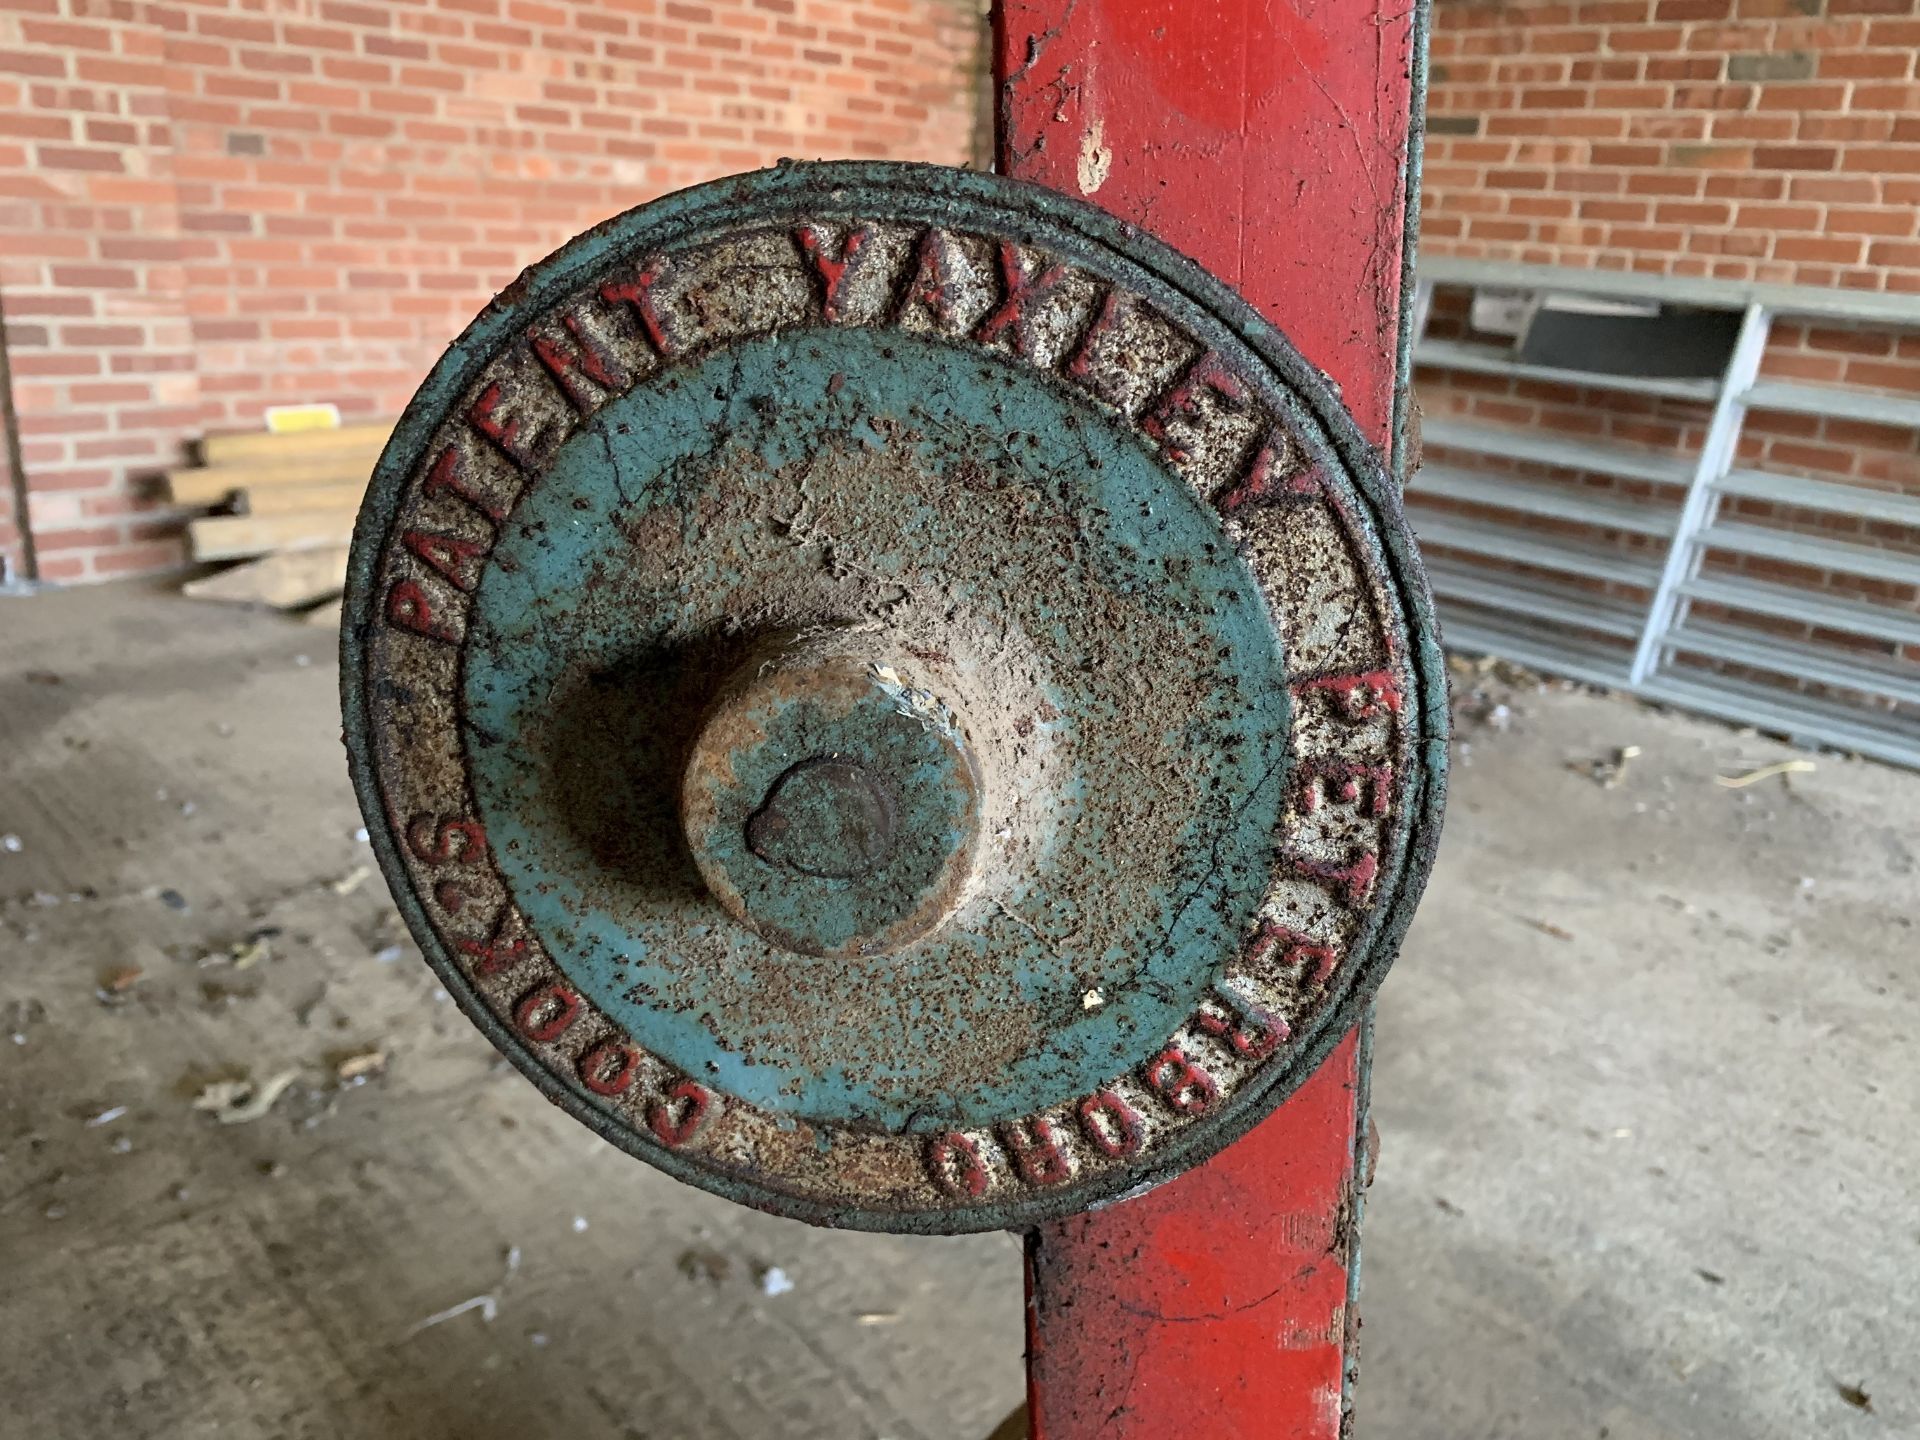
244	954
22	1016
773	1280
256	947
351	881
235	1102
1607	772
1854	1396
116	986
704	1263
1765	772
355	1067
487	1302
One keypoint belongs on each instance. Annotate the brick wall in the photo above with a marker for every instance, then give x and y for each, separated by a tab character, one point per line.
1767	140
1773	140
212	206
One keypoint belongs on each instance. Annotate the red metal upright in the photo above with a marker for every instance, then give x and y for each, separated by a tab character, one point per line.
1269	142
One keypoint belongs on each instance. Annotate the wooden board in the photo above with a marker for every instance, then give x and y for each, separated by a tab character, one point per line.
323	617
286	499
232	537
256	444
210	484
286	580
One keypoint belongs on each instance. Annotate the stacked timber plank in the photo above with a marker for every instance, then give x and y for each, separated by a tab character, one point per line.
289	501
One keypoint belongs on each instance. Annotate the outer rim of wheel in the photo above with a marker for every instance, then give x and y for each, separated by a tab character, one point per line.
1045	218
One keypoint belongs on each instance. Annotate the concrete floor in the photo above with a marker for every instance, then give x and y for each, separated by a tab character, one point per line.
1647	1089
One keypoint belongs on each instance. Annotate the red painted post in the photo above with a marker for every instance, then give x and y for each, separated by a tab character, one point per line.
1269	142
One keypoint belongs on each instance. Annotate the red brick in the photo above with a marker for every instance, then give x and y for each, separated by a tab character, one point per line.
1806	97
397	49
69	157
1756	127
74	539
1693	213
1666	127
1796	157
1854	342
63	36
96	277
1883	159
1866	65
95	336
1855	220
1693	9
1691	67
1639	97
1902	98
1779	217
32	62
1612	68
36	127
60	568
1903	255
314	37
119	73
1836	189
1634	156
1555	98
1845	128
142	559
1628	211
1663	182
1650	38
1825	249
1591	182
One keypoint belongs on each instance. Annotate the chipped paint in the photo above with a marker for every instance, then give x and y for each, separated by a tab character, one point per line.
1096	160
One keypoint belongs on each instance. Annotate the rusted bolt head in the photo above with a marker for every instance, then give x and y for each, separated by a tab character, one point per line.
829	817
832	800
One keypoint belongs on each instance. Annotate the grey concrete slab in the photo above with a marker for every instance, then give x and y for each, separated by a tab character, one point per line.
1646	1085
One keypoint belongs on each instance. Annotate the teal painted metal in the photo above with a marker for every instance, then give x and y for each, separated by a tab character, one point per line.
832	802
1107	773
568	601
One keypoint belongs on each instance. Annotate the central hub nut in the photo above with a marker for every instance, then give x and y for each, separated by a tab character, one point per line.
829	818
832	800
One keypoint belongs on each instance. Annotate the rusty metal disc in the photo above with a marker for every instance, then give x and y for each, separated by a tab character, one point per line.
892	696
